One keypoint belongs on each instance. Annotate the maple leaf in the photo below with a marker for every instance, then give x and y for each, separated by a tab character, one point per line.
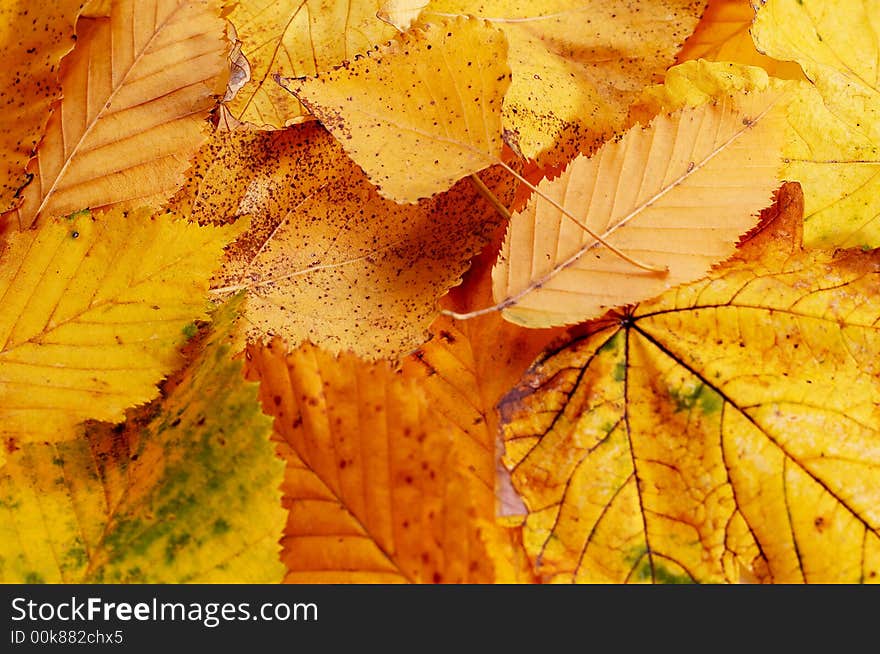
577	65
128	122
707	429
94	310
421	112
834	147
676	194
326	258
187	492
375	484
28	81
296	40
723	35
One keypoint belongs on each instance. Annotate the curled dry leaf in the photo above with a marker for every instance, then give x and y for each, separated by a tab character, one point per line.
677	194
187	492
577	64
326	258
129	120
421	112
95	309
674	441
834	135
723	35
33	39
376	485
297	39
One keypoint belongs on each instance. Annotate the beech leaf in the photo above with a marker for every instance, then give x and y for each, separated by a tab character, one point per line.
676	194
95	308
187	492
29	80
136	89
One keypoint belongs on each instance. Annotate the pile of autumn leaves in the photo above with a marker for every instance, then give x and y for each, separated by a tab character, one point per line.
661	364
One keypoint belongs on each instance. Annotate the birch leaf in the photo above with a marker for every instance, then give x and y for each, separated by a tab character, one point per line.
577	65
298	39
187	492
33	39
94	311
136	89
326	258
705	432
677	194
834	134
421	112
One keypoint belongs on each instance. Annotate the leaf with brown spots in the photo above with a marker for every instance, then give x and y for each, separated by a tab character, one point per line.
729	425
296	39
33	39
136	89
421	112
95	309
326	258
577	64
376	485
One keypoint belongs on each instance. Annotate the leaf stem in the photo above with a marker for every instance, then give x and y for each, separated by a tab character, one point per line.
623	255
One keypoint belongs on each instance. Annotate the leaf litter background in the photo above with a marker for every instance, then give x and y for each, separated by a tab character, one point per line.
502	292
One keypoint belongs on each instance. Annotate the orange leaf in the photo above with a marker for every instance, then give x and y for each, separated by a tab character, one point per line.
137	89
33	39
375	482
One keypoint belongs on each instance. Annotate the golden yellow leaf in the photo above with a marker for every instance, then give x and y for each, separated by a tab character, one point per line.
723	35
677	194
137	89
421	112
94	310
731	420
188	492
326	258
577	65
834	138
700	82
33	39
297	40
375	484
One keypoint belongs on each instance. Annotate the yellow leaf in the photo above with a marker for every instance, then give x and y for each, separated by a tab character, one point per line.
732	419
188	492
375	484
834	146
137	89
327	258
421	112
33	39
577	65
676	194
723	35
297	40
94	310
